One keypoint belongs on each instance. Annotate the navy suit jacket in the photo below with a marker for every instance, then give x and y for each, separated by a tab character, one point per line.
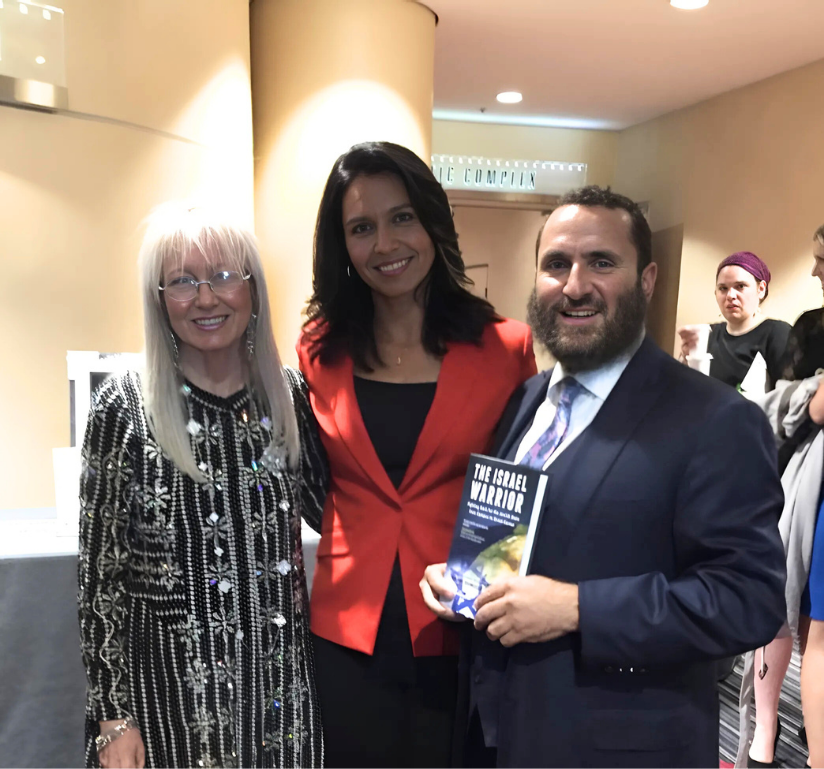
664	511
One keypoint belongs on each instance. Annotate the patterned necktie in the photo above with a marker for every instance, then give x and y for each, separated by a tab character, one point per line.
547	443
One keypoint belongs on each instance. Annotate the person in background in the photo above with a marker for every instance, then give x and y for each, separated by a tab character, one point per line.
805	348
196	472
742	284
408	374
796	422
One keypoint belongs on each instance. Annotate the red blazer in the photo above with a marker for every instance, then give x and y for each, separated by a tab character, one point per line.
366	521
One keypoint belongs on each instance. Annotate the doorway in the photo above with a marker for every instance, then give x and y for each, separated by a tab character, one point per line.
498	247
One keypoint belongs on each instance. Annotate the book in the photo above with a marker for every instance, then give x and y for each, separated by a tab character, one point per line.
495	529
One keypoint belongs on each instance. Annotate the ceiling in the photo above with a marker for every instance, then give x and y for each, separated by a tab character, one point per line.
611	63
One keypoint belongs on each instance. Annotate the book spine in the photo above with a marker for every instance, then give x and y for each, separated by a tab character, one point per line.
534	521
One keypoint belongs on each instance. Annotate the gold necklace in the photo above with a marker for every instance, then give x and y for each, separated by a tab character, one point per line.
404	348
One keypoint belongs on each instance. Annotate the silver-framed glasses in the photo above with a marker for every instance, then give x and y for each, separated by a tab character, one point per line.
185	288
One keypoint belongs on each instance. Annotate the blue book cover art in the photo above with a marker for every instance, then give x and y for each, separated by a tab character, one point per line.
495	529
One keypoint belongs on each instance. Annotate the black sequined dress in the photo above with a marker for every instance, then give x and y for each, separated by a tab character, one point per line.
193	602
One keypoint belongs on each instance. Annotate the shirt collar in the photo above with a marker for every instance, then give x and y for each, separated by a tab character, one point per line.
600	381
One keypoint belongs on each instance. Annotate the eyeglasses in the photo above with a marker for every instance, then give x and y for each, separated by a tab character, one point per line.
184	288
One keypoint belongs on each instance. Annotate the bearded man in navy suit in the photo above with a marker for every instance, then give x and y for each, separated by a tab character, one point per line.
658	551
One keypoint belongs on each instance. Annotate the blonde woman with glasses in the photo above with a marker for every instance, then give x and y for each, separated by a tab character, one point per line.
196	473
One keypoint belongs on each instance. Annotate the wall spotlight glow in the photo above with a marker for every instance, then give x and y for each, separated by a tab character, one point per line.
24	8
40	60
509	97
688	5
46	15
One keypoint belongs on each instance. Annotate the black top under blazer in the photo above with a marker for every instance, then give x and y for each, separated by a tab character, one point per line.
664	511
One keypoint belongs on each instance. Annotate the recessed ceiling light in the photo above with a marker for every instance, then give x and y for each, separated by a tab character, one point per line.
40	60
688	5
23	8
46	14
509	97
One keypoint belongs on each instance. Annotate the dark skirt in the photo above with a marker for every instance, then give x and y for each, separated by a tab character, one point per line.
388	709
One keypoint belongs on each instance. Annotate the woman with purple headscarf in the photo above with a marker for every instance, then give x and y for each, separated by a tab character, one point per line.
741	285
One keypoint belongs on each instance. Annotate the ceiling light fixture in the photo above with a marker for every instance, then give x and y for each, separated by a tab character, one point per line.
688	5
509	97
40	60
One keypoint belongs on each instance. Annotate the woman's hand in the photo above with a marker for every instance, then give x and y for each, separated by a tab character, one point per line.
689	340
125	751
435	585
817	405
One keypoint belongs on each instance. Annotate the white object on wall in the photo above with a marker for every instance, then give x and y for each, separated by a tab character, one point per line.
86	370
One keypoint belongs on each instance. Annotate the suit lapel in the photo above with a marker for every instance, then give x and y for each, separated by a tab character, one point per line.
353	432
456	382
533	397
581	469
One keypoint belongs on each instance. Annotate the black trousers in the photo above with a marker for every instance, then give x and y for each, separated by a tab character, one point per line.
475	752
385	710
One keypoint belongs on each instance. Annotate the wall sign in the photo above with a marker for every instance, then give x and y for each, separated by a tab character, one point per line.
539	177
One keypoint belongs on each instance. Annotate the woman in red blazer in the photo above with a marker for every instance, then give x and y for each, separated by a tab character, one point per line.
408	374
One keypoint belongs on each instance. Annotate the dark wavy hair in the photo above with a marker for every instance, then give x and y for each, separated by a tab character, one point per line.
340	312
593	196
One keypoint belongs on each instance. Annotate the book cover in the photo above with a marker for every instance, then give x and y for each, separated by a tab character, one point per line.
495	529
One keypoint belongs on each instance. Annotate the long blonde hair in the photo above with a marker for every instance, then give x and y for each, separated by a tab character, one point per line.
175	229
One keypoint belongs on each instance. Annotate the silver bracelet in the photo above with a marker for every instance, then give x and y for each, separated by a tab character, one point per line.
117	731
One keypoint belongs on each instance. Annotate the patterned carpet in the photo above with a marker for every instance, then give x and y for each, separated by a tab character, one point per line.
791	752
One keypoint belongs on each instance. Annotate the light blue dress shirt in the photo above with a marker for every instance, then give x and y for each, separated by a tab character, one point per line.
597	386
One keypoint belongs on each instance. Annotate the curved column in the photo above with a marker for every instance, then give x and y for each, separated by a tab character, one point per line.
326	75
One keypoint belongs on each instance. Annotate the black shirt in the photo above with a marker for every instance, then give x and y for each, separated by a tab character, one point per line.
394	415
732	356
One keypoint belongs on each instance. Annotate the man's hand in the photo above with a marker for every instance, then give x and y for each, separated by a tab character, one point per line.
527	610
124	752
435	585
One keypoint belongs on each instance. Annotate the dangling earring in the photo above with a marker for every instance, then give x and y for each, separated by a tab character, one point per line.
174	346
348	274
250	335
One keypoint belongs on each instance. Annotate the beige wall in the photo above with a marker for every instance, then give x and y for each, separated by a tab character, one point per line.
742	171
666	253
595	148
160	108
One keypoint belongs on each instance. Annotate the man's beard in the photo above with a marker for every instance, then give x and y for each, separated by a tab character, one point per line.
585	349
